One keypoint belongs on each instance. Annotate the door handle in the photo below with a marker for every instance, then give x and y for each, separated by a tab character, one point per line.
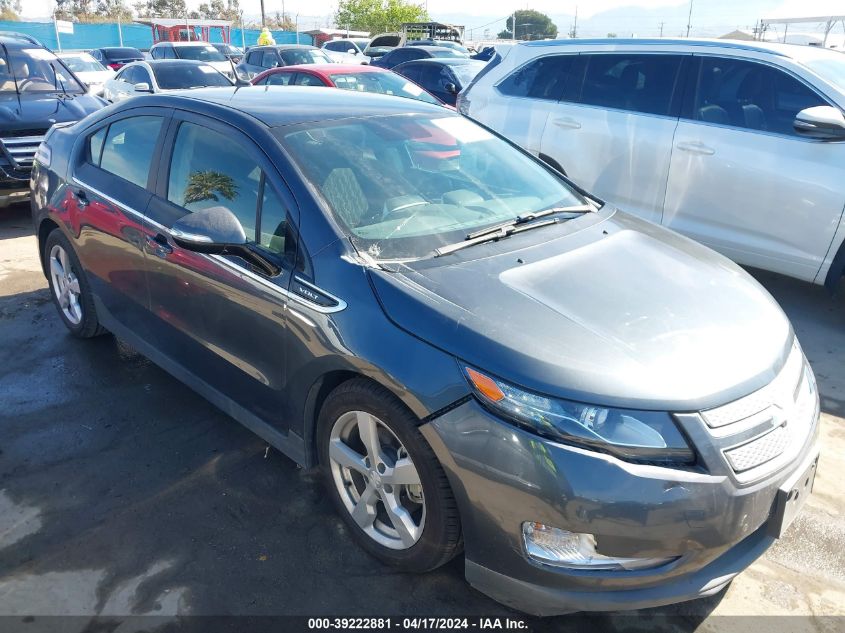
82	200
695	147
567	123
159	246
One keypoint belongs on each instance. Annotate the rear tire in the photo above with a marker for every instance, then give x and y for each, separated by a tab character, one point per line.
381	473
69	287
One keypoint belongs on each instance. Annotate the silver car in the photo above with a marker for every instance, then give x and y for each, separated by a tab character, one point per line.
739	145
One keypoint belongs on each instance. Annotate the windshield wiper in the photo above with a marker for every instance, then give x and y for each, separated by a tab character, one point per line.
517	225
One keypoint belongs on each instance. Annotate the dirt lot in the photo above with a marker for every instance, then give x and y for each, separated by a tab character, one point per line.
123	492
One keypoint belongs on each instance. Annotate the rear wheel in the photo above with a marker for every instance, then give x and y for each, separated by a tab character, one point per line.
385	480
69	287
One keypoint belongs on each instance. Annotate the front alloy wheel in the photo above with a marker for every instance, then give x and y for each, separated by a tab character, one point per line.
377	480
385	479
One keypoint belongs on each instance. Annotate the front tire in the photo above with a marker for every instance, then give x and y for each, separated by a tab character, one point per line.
386	482
69	287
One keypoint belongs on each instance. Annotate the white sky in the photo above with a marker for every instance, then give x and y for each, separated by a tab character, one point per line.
713	12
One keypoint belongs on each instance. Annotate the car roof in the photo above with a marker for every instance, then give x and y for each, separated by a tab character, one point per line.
334	69
15	38
449	61
301	103
774	48
172	62
185	43
281	46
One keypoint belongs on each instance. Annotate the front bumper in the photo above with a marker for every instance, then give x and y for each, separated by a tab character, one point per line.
12	193
503	476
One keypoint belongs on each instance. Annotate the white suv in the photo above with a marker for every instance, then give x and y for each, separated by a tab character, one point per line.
740	146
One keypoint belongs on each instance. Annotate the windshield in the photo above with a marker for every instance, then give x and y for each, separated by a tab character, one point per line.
382	83
83	63
831	68
292	56
183	76
403	185
28	70
200	53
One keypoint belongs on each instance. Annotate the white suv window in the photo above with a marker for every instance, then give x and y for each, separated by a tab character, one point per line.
639	83
544	78
750	95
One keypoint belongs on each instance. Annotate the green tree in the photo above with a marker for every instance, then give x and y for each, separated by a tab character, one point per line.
530	25
9	9
114	9
205	185
218	10
161	8
377	16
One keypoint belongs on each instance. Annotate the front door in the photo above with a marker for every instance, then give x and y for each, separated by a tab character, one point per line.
741	179
217	317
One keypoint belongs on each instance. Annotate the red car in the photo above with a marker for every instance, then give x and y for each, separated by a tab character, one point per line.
347	77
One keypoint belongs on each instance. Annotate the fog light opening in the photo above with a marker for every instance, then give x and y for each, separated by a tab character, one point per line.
572	550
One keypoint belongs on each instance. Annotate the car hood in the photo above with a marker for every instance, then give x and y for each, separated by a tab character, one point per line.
41	111
607	309
95	76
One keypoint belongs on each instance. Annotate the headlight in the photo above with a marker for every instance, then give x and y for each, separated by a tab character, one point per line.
649	436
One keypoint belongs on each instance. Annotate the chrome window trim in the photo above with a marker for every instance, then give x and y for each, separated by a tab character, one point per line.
220	259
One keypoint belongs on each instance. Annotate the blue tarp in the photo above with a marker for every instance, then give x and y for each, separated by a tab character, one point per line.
88	36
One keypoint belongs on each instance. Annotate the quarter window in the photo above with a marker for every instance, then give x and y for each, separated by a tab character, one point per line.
544	78
128	148
95	145
273	221
209	170
750	95
639	83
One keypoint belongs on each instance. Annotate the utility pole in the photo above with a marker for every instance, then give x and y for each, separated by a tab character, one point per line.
513	24
661	29
573	32
689	18
263	18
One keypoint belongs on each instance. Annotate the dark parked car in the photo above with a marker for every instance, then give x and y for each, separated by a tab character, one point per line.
117	57
409	53
37	90
444	78
260	58
455	46
475	352
231	52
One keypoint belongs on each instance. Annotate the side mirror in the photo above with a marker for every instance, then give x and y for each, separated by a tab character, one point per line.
352	51
216	231
451	88
143	87
820	122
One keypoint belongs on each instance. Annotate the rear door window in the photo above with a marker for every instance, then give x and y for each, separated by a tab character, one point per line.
279	79
128	148
269	59
750	95
637	83
306	79
544	78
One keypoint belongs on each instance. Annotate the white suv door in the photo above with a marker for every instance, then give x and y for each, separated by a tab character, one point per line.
613	135
742	180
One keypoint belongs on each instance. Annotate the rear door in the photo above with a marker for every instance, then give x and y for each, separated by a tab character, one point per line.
742	180
613	134
216	316
108	194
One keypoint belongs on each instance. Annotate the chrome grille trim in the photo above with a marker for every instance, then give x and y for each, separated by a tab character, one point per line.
19	151
780	391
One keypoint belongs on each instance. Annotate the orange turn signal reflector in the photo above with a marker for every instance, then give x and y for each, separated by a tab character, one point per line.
486	385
